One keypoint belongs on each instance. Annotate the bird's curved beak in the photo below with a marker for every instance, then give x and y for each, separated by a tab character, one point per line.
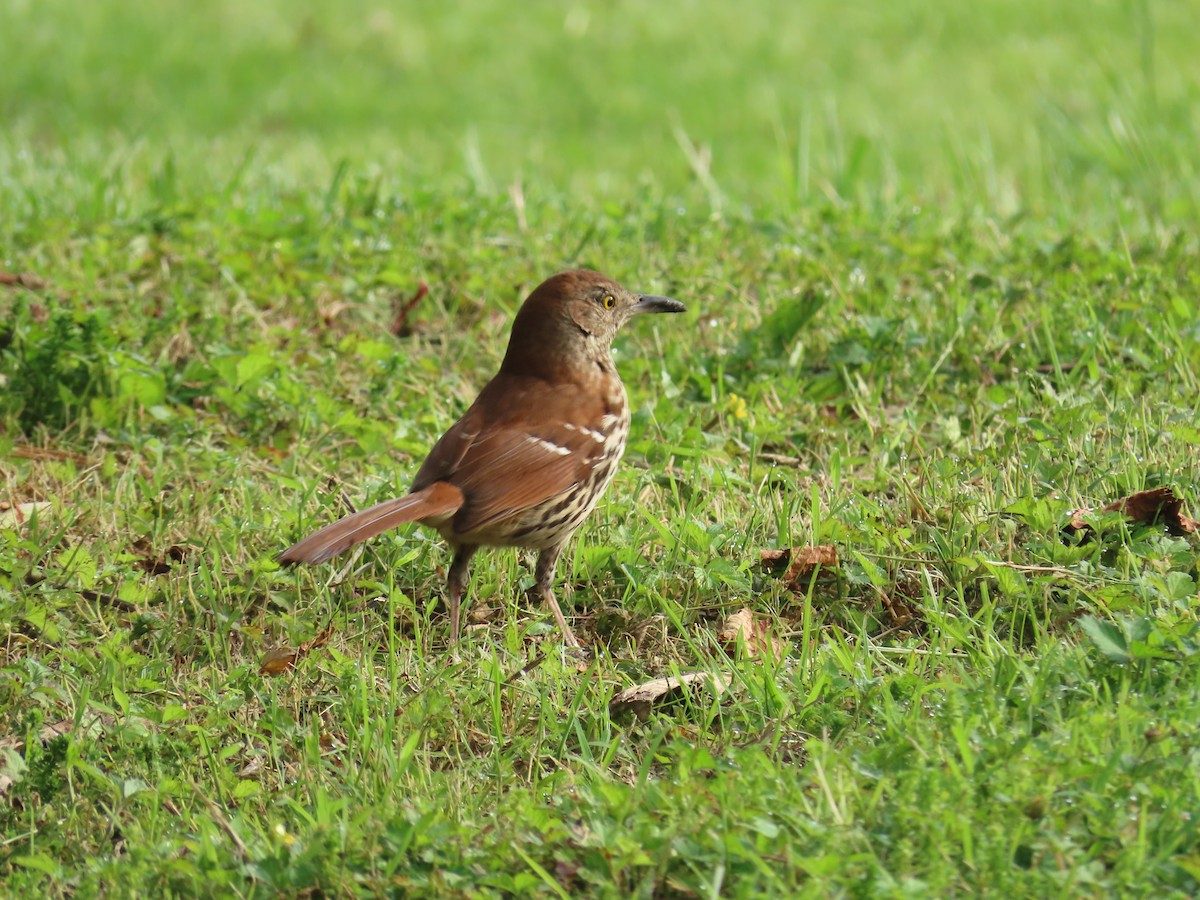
648	303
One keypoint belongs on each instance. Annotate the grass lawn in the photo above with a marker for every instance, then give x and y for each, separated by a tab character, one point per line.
942	267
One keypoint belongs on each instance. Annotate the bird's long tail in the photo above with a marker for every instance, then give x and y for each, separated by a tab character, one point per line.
438	499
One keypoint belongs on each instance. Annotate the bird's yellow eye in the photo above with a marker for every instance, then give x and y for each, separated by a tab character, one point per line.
609	301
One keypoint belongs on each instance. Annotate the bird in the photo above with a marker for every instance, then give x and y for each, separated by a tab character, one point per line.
530	458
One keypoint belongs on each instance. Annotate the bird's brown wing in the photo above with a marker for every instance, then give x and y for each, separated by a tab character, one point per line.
503	461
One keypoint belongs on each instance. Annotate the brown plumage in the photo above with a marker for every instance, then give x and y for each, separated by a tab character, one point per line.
527	462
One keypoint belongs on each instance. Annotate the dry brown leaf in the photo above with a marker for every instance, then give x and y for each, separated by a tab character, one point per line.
800	563
278	661
284	659
49	732
22	279
158	564
12	514
482	613
639	698
331	743
1143	508
898	611
805	560
774	559
755	632
319	641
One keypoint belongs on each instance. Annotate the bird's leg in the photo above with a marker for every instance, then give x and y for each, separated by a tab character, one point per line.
544	573
456	584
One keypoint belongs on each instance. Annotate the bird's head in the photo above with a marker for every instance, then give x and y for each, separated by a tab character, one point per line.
572	318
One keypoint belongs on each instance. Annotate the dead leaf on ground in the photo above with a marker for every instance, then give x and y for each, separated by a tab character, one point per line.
277	661
612	624
805	560
331	742
800	563
330	308
1143	508
755	631
482	613
158	563
640	698
22	279
284	659
49	732
774	559
66	727
12	514
899	612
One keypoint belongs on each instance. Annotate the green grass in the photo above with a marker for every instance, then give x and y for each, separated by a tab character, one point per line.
941	269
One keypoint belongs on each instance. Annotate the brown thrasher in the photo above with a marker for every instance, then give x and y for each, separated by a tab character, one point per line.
528	461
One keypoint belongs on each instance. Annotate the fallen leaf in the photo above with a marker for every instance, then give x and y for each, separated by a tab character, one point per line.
1143	508
319	641
774	559
329	308
1160	504
331	743
639	698
284	659
158	564
898	611
800	563
47	733
806	560
277	661
12	514
22	279
613	623
755	632
483	613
